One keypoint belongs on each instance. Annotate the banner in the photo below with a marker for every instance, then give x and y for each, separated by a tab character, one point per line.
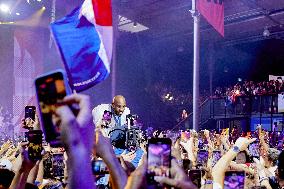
213	12
274	77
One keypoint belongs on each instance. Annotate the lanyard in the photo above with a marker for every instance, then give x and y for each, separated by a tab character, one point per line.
117	120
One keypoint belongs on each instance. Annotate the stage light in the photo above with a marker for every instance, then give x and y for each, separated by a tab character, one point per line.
4	8
167	96
18	14
43	8
266	32
39	0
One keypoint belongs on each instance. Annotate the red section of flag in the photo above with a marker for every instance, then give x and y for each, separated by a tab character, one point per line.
213	12
103	12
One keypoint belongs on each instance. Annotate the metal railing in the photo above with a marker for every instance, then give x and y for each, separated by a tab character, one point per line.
243	106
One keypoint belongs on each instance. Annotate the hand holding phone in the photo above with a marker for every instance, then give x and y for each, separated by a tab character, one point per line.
234	179
51	89
202	157
58	165
254	149
30	117
195	176
159	158
216	155
99	167
35	145
30	112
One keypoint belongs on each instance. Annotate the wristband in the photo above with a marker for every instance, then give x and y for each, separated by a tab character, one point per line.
236	149
208	182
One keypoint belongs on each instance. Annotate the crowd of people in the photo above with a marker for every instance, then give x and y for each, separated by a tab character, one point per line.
251	88
204	159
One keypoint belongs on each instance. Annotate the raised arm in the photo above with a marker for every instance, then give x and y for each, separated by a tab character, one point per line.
218	171
104	150
78	136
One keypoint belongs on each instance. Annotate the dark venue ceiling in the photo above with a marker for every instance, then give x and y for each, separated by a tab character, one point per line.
244	19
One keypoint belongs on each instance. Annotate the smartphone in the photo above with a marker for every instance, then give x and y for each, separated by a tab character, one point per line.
216	155
58	165
234	179
195	176
26	137
51	88
99	167
202	157
30	112
107	116
254	149
35	145
47	166
186	164
159	159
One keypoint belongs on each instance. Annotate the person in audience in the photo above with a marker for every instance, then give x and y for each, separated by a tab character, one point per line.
78	137
118	112
81	143
103	149
6	177
218	171
280	170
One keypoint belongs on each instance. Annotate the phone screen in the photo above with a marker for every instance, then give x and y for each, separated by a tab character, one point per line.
254	149
99	167
107	116
186	164
216	155
159	158
195	176
50	90
30	112
47	166
202	157
58	165
35	144
234	179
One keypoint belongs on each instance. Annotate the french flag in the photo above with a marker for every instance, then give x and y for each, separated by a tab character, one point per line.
84	39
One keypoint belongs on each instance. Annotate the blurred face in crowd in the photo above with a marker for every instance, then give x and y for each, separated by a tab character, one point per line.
118	105
241	158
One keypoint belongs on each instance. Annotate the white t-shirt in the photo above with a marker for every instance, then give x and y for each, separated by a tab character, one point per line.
98	113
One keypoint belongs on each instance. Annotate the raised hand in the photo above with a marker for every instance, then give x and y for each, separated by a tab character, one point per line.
179	178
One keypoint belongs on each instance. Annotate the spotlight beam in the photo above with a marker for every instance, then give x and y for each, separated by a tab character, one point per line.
34	20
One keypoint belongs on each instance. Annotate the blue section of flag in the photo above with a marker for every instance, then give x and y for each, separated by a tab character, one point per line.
79	44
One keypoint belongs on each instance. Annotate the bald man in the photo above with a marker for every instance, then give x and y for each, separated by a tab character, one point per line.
119	112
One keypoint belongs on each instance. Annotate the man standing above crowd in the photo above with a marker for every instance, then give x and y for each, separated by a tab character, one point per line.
111	119
107	116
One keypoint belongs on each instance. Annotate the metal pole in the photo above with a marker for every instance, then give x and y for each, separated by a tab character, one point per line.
196	42
115	20
113	71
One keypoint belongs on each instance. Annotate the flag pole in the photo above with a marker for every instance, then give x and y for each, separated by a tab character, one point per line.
196	46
